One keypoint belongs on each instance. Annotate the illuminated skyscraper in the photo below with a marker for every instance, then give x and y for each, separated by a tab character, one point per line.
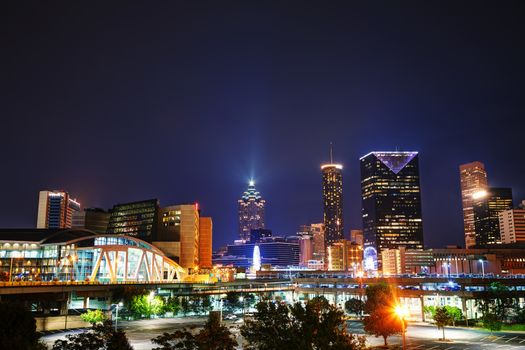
332	201
473	179
391	200
512	225
55	209
486	206
251	212
138	219
205	242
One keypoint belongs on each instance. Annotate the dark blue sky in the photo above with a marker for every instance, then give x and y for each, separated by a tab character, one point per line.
185	102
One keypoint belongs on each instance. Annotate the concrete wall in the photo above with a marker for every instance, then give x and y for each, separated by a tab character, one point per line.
51	323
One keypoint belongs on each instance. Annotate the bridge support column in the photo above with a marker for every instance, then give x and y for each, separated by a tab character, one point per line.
64	308
86	303
465	311
422	302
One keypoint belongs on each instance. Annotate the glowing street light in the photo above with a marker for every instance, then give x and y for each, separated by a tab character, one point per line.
116	313
402	312
482	267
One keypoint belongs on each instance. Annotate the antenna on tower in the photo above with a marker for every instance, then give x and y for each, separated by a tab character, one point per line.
331	153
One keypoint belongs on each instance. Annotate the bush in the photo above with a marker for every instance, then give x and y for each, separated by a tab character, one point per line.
93	316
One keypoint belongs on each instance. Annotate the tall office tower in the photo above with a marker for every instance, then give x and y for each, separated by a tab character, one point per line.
344	256
332	201
357	237
178	233
487	205
55	209
319	249
251	212
94	219
305	250
205	242
512	225
137	219
473	179
316	231
306	246
391	200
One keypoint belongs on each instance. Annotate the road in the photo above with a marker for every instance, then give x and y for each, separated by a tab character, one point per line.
419	337
425	337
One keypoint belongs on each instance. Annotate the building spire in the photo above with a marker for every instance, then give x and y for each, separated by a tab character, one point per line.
331	153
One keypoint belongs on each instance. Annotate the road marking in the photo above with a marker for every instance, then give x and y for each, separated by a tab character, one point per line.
522	341
506	341
450	347
434	347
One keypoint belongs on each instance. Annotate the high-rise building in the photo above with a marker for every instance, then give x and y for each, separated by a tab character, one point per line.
407	261
178	234
306	247
138	219
251	212
357	237
487	205
344	256
258	234
94	219
275	251
512	225
391	199
205	242
473	180
332	201
316	231
55	209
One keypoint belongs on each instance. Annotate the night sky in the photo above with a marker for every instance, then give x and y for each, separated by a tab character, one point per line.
186	101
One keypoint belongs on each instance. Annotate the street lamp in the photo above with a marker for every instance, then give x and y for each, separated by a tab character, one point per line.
116	313
402	312
241	300
482	267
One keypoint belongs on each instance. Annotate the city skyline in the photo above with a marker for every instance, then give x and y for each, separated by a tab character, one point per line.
251	191
116	111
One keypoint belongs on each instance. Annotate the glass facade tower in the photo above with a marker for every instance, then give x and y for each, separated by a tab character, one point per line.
486	206
137	219
251	212
391	200
332	202
473	180
56	209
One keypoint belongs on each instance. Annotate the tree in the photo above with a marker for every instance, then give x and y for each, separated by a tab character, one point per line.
172	305
496	302
455	313
146	306
185	306
180	339
430	310
380	304
492	321
271	328
232	301
442	319
100	337
93	316
213	336
18	331
355	306
318	325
